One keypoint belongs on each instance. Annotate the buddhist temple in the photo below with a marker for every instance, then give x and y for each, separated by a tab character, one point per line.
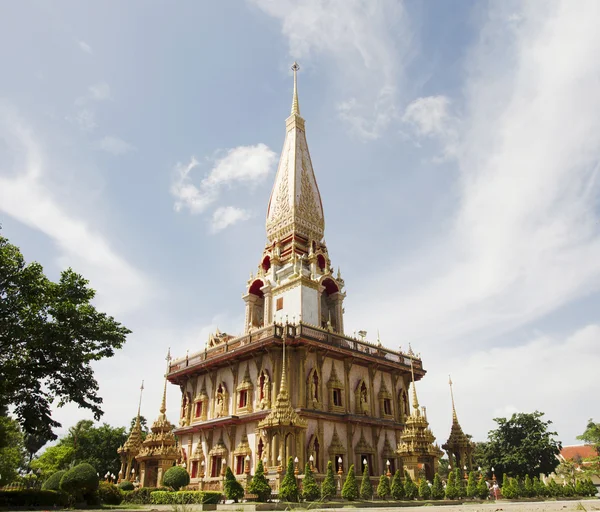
129	451
459	446
293	383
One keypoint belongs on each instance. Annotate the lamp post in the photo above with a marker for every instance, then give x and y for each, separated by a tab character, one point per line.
265	467
340	471
247	468
202	464
389	473
279	468
465	468
493	474
296	470
311	459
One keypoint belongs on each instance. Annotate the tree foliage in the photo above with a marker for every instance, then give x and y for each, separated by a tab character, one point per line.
259	484
12	453
49	335
398	486
177	477
383	489
437	489
522	445
471	485
482	489
366	487
80	481
451	491
233	489
310	488
591	435
410	488
288	491
350	488
328	489
424	489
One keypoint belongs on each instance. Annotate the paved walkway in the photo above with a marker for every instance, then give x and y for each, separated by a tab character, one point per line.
499	506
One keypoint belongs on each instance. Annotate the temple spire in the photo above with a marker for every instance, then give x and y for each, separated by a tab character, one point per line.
415	403
137	420
454	417
163	405
283	386
295	105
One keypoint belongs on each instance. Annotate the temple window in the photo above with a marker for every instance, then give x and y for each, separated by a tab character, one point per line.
243	398
387	406
266	263
256	304
261	447
315	386
239	465
198	412
215	466
337	397
194	469
245	392
279	305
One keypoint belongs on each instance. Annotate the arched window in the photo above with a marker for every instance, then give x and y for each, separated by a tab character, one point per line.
316	386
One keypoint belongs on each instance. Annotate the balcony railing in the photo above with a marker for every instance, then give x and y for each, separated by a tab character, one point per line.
299	330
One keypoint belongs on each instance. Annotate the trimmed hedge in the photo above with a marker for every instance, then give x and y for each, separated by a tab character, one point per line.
176	477
109	494
33	498
52	483
141	495
185	497
126	485
80	479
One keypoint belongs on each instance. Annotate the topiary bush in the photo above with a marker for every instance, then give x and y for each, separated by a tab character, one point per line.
424	489
482	489
328	488
259	484
289	488
383	489
81	483
366	487
139	496
451	492
437	489
109	494
410	488
461	490
52	483
176	477
471	485
185	497
397	486
232	488
350	489
126	485
310	488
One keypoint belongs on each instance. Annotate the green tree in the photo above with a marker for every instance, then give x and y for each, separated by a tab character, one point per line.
52	483
383	489
471	485
366	487
443	468
289	488
33	444
53	459
12	453
176	477
591	435
328	488
523	445
259	484
310	488
553	489
80	482
233	489
424	489
410	488
528	490
397	486
539	488
460	483
482	489
143	425
50	334
451	490
350	489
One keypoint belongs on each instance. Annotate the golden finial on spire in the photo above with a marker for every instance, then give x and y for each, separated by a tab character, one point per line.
454	417
295	105
140	403
163	405
415	400
283	385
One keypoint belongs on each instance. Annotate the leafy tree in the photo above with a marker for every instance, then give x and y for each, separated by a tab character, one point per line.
350	488
591	435
443	468
482	489
50	333
383	489
109	494
310	488
471	485
451	490
523	445
437	489
410	488
80	482
12	453
233	489
259	484
366	488
33	444
460	483
397	486
289	488
54	458
328	488
53	482
480	456
424	489
539	488
176	477
143	425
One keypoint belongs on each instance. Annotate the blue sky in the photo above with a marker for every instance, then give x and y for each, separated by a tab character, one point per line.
456	149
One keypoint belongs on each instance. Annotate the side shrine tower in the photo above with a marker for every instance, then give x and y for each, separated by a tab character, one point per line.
293	384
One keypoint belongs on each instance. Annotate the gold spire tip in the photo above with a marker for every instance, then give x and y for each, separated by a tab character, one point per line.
295	104
415	400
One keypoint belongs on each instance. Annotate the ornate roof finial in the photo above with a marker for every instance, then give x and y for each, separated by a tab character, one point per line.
163	405
295	105
415	400
454	417
283	385
140	403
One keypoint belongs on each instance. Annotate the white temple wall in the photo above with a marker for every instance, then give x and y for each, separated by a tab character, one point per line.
310	305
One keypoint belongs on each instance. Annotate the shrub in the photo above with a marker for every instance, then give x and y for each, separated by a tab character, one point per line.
109	494
289	488
482	489
232	488
461	491
397	486
126	485
539	488
553	489
350	489
437	489
451	492
328	488
176	477
471	485
139	496
366	487
310	488
383	489
259	484
528	489
185	497
33	498
410	488
53	481
81	483
424	489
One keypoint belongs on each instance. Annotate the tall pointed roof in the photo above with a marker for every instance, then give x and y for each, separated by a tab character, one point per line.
458	439
134	441
295	206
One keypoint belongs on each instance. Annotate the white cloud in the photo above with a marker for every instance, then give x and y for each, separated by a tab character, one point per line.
114	145
525	238
85	116
243	164
121	287
86	119
368	43
85	47
548	373
226	216
99	92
